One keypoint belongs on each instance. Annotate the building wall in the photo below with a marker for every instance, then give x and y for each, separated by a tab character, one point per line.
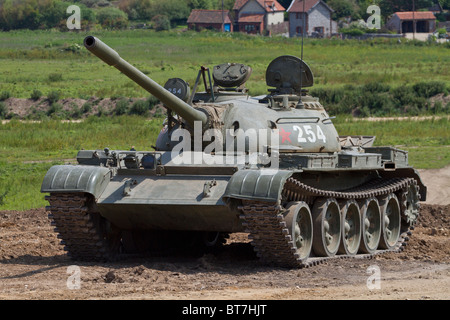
402	26
210	26
295	22
274	18
320	17
394	24
252	7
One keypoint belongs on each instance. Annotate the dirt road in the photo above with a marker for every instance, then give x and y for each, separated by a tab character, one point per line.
33	266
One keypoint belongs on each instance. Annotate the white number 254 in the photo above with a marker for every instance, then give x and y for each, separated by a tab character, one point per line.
309	133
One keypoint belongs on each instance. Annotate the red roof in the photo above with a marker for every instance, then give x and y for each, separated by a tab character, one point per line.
419	15
208	16
297	5
266	4
271	5
251	18
238	4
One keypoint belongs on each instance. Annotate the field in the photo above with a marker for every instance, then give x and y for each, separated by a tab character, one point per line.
33	263
55	61
28	150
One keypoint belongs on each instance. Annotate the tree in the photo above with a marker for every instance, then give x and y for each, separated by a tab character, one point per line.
342	9
111	17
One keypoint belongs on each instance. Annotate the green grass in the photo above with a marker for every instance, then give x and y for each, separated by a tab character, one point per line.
28	150
50	61
427	141
28	58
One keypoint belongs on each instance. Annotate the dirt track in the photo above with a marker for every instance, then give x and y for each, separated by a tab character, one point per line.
33	266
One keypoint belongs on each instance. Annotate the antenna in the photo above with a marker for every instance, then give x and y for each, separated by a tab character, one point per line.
300	102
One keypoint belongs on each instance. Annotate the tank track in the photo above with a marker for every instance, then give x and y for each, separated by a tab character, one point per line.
270	236
83	233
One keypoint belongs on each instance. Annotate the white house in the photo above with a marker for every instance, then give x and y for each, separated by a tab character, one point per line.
255	16
315	15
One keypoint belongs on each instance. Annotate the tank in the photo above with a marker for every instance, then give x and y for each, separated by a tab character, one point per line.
272	166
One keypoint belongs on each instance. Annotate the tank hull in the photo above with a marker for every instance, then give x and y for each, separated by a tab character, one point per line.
176	202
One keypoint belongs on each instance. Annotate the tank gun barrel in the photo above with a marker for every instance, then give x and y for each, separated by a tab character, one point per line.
112	58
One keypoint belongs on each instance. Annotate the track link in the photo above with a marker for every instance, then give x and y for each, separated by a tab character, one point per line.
84	234
270	237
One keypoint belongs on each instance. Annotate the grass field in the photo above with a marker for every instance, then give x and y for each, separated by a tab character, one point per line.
52	60
28	150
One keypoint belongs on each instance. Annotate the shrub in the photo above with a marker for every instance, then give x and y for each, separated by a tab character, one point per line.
121	107
429	89
139	108
5	95
353	32
36	94
111	17
403	95
161	22
53	96
152	102
55	110
86	108
53	77
3	110
375	87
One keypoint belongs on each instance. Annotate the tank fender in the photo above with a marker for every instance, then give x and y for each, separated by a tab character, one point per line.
69	178
262	185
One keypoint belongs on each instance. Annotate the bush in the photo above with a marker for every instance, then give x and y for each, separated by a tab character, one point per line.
3	110
111	17
376	87
152	102
5	95
403	95
121	107
53	77
86	108
36	94
53	96
429	89
161	22
353	32
55	110
139	108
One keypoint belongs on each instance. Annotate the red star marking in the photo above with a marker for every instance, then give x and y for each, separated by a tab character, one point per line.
284	135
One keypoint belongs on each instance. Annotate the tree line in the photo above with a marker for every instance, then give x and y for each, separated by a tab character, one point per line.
47	14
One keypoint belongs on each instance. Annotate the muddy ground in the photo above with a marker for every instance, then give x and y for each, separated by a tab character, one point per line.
33	266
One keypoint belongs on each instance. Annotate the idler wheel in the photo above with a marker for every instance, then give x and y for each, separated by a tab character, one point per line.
410	205
350	228
299	223
327	227
391	221
370	226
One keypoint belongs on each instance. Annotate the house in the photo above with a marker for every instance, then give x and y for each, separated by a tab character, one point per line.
314	15
257	16
412	21
210	19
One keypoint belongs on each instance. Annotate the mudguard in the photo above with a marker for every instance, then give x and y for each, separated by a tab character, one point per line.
263	185
68	178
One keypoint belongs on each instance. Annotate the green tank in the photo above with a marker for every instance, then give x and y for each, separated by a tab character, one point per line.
272	166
